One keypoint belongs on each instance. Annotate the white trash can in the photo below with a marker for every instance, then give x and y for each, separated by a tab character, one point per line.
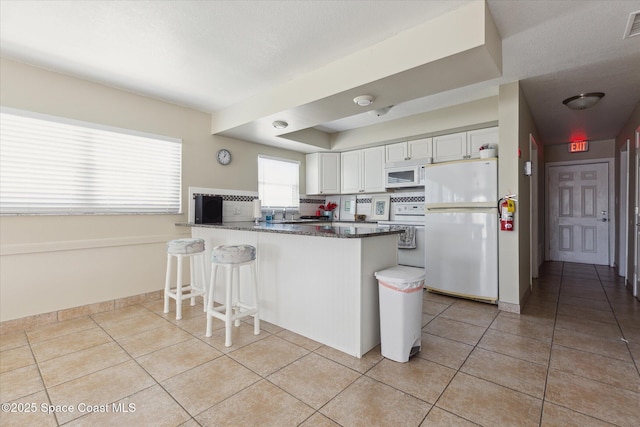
400	290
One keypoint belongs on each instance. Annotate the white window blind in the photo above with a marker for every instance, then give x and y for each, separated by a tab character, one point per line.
278	182
51	165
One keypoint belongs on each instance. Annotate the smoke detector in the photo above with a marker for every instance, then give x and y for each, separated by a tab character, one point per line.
363	100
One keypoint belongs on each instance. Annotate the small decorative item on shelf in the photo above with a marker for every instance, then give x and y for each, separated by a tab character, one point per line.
327	210
487	151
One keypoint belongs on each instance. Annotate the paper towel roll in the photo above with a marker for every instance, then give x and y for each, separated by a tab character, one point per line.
257	208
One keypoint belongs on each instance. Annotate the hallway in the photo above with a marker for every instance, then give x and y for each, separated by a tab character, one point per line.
571	359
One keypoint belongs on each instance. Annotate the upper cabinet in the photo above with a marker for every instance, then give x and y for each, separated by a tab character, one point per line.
373	169
323	173
463	145
350	177
480	137
396	152
362	170
450	147
420	148
410	150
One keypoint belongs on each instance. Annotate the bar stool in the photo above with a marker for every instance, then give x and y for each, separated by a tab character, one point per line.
193	249
232	258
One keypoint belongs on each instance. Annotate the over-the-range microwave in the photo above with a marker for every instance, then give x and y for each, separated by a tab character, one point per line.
407	173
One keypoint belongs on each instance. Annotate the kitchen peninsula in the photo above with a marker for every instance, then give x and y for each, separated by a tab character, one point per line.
314	279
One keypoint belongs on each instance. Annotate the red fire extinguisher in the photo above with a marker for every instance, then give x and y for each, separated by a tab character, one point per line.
507	208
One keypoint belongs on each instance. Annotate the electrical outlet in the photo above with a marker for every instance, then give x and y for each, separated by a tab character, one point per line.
236	210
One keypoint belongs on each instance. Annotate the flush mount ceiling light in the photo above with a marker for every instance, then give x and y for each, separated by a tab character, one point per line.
279	124
363	100
583	101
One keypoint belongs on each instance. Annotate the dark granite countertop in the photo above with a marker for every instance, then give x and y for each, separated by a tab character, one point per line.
305	229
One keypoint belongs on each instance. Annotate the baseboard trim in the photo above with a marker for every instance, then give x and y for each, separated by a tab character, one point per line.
29	322
509	307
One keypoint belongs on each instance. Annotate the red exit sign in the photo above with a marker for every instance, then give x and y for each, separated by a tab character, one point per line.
578	146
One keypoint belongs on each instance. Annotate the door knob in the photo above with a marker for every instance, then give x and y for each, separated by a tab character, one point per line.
603	220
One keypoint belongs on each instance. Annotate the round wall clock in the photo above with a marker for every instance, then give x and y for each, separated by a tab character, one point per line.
224	157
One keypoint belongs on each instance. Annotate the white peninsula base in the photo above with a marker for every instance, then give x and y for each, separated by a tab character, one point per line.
322	288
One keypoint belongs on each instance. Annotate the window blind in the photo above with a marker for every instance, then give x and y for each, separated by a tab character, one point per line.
278	182
51	165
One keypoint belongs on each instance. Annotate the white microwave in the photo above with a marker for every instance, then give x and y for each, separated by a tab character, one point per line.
403	174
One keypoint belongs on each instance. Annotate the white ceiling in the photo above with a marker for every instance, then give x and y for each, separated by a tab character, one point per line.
214	55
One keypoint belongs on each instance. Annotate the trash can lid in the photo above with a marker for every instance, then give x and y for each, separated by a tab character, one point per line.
401	274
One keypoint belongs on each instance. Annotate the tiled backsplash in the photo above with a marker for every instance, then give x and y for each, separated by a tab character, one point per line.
238	205
363	201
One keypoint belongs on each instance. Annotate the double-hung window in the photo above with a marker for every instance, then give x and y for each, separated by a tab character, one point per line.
278	182
52	165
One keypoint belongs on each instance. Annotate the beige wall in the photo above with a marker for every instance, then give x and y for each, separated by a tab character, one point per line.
516	124
527	127
509	261
50	263
597	150
472	115
628	133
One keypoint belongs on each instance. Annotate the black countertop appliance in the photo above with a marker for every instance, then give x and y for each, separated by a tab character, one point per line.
208	209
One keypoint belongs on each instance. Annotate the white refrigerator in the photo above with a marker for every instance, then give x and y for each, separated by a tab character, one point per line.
461	228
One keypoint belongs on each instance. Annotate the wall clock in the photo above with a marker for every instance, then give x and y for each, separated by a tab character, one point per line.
224	157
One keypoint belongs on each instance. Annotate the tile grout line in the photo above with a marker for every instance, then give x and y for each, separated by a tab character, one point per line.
557	404
458	370
564	276
117	364
44	385
553	335
623	338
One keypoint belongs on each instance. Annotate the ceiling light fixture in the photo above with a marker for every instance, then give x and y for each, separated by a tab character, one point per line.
279	124
363	100
380	111
583	101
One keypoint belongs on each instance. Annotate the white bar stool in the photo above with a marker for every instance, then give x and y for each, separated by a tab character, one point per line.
232	258
194	250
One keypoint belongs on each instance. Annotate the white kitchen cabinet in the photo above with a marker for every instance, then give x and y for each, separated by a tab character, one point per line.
341	312
420	148
450	147
478	138
362	170
373	169
350	175
410	150
463	145
396	152
323	173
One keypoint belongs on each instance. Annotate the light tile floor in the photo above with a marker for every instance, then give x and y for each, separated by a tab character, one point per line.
562	362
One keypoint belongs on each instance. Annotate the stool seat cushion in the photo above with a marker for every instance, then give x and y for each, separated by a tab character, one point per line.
185	246
226	254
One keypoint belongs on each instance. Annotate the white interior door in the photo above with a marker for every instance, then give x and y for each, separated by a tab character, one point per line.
535	203
636	258
623	197
578	213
